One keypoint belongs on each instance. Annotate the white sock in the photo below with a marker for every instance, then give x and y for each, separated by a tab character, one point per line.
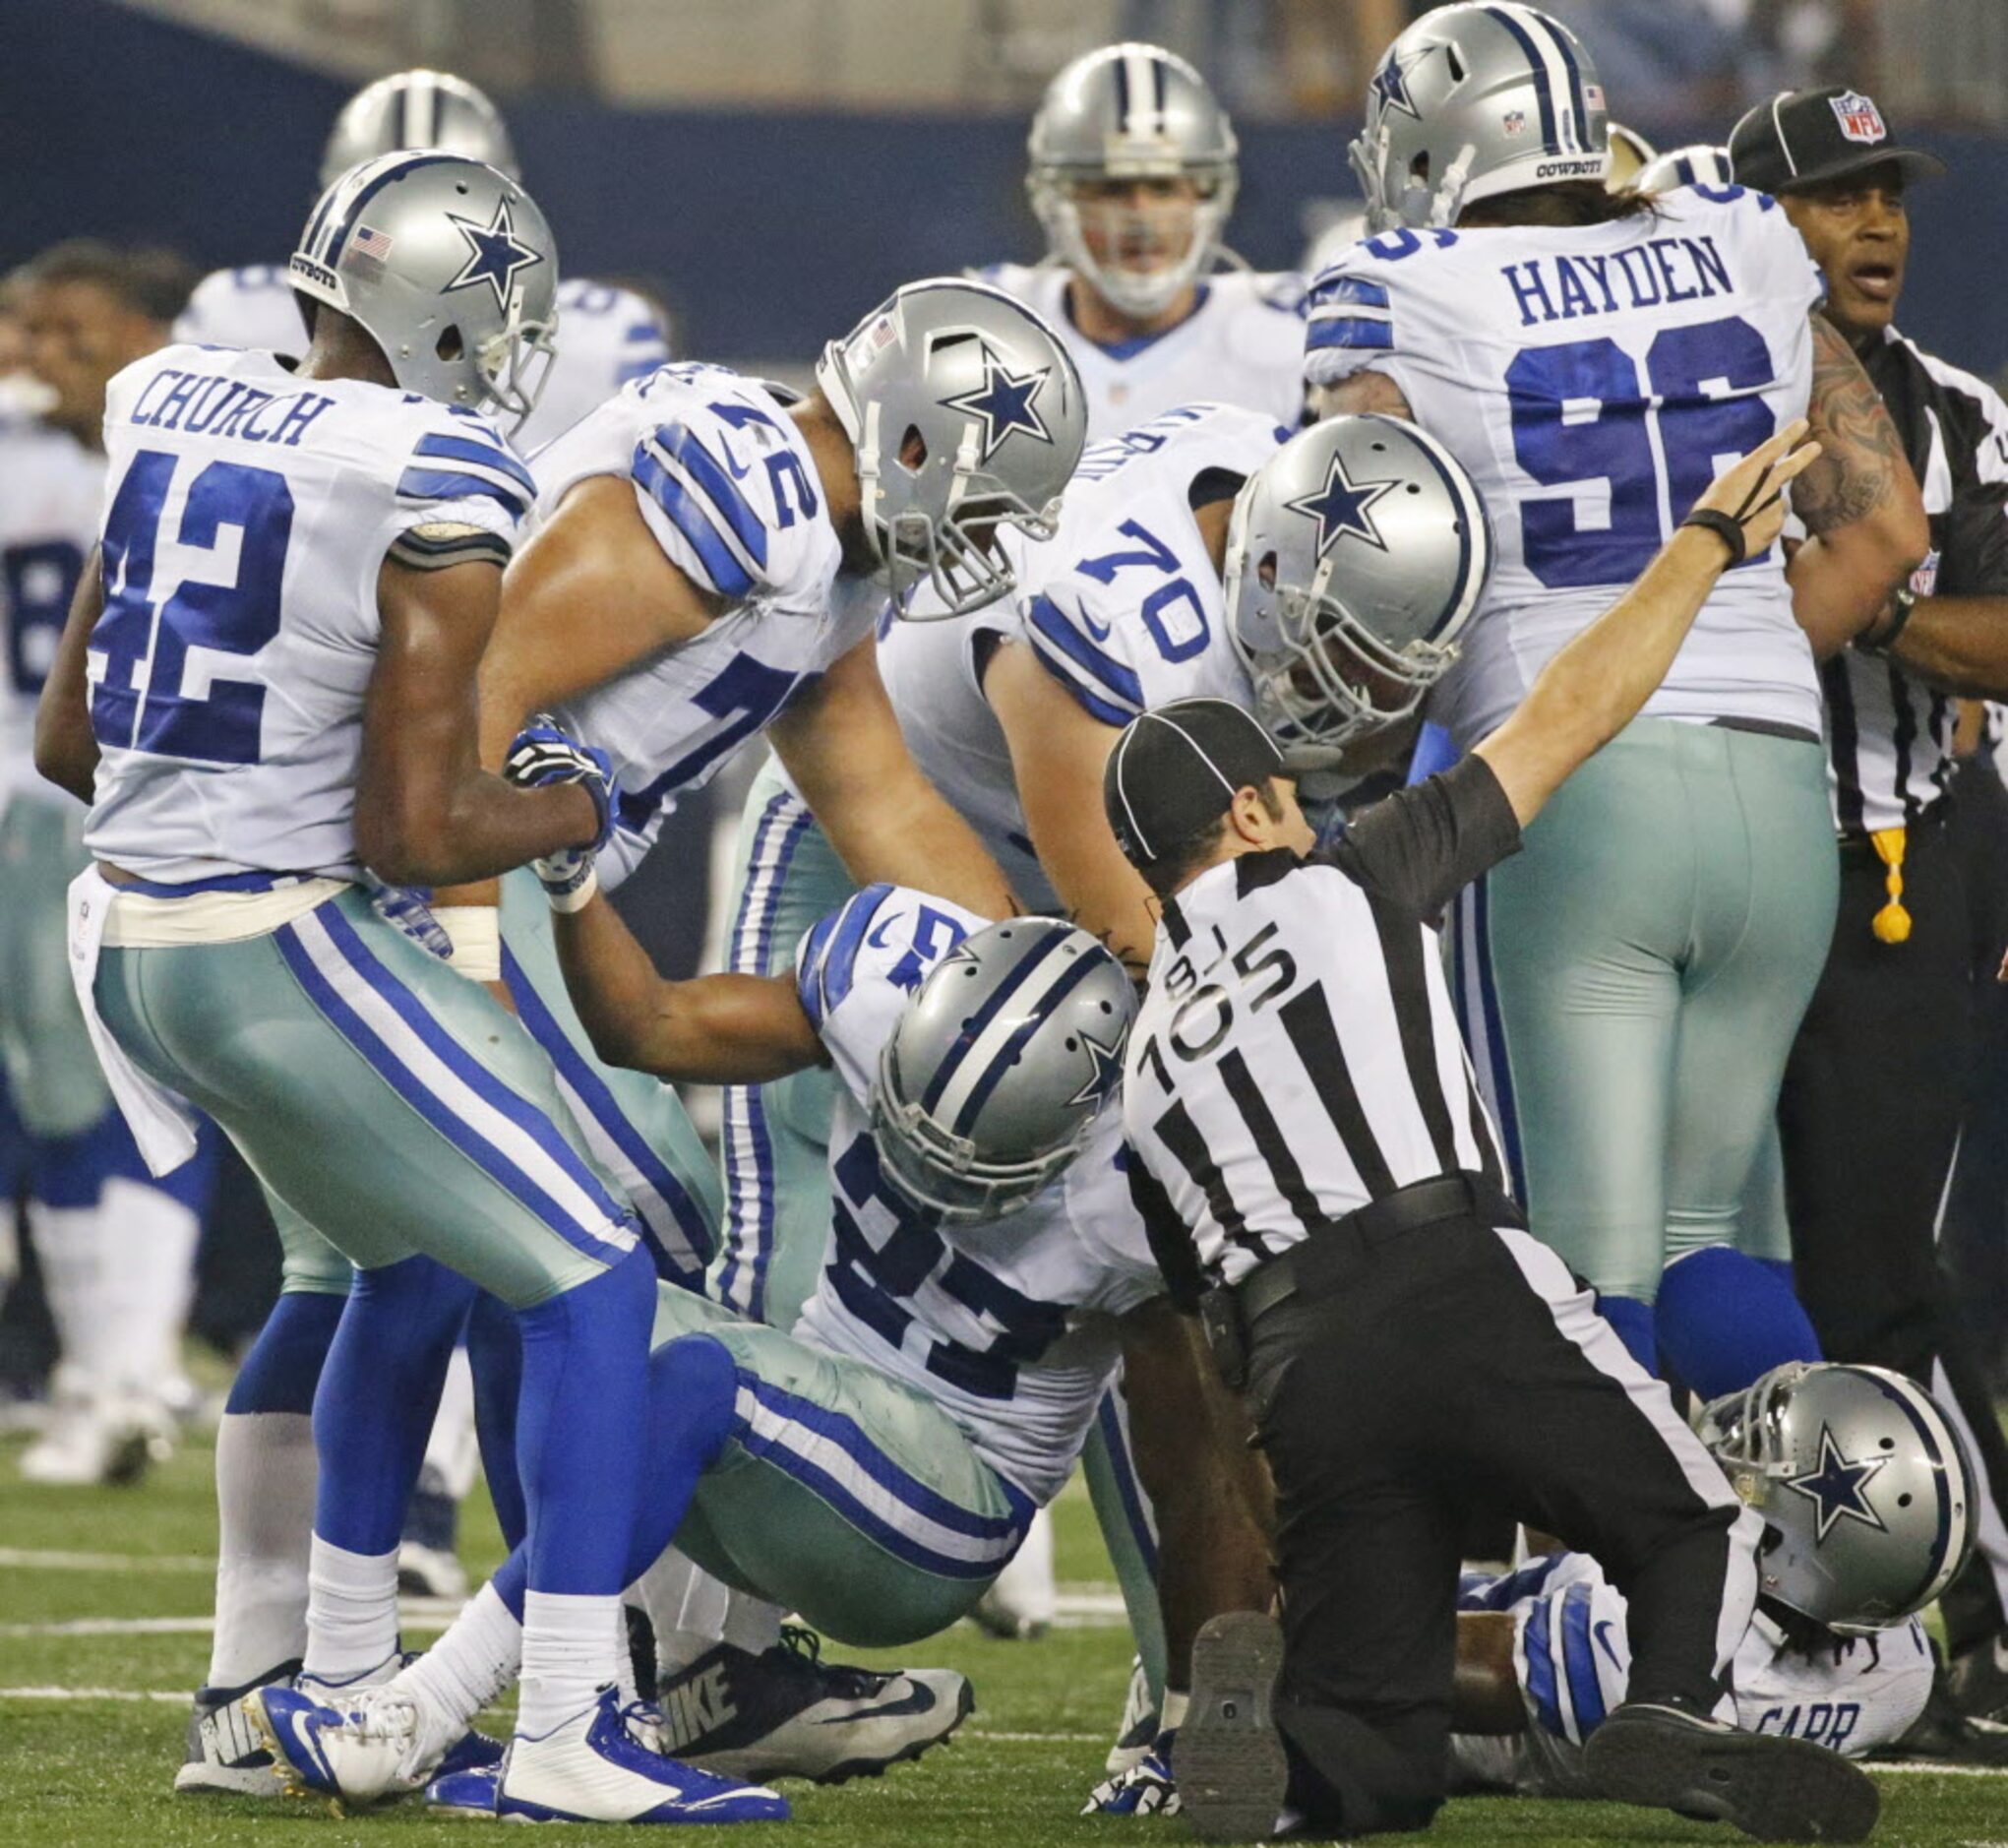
351	1610
148	1289
453	1450
472	1663
571	1648
753	1623
77	1251
265	1512
687	1609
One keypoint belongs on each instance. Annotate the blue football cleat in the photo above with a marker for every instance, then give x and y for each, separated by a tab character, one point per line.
355	1746
594	1769
469	1794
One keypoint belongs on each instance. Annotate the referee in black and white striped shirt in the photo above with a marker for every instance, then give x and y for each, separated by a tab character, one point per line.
1307	1131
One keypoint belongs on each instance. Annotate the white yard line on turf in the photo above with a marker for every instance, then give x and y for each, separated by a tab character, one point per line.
36	1558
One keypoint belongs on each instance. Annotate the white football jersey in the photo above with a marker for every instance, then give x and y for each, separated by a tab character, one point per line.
727	485
1242	344
1131	613
1573	1661
51	488
606	336
247	514
1008	1327
1594	380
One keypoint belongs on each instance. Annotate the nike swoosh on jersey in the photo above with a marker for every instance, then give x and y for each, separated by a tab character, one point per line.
1603	1642
876	936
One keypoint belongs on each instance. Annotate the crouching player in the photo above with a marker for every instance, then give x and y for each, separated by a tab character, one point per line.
876	1469
1868	1511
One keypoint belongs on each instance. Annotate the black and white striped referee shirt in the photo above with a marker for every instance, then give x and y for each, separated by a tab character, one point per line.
1890	735
1296	1054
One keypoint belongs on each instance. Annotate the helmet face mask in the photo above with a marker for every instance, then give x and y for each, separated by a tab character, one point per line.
1132	175
1865	1492
967	418
449	266
1355	558
1001	1061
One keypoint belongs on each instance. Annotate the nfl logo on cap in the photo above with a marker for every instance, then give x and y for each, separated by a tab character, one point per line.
1859	118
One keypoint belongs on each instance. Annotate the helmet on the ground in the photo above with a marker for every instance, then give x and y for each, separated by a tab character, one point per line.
450	268
1865	1491
417	109
1355	558
1001	1060
1475	101
1698	165
966	413
1132	112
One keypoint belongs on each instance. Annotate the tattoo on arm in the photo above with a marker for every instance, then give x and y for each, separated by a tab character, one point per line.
1137	968
1863	456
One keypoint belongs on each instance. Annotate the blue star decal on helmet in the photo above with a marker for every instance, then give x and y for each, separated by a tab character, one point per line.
1837	1485
1343	506
1390	84
494	254
1005	400
1105	1073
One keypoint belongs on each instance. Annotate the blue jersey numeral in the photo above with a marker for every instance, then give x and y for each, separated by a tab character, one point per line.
39	581
741	698
1172	613
1580	414
146	698
935	933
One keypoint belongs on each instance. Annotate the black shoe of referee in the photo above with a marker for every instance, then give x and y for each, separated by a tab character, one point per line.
1228	1760
1667	1756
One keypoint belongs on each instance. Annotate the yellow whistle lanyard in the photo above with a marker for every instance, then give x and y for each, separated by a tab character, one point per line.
1892	924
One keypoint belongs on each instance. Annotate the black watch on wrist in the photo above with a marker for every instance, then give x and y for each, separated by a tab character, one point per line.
1901	602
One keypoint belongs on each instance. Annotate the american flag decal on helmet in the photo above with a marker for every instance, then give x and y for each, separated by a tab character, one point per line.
371	242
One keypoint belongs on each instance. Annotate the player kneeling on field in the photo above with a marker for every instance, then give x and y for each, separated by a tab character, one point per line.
876	1469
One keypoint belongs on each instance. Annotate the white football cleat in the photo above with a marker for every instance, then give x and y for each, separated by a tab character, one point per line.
97	1434
359	1747
595	1770
1023	1600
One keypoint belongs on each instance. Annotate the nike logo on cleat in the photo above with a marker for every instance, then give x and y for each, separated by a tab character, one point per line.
918	1702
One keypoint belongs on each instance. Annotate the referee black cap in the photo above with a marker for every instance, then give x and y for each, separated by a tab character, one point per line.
1181	766
1808	137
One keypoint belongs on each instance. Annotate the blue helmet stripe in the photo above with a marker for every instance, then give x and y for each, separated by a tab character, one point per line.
1543	92
338	233
972	1029
1576	132
1458	498
1942	1537
1013	1048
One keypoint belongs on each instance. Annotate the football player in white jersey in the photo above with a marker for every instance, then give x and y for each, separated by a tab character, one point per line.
1868	1499
116	1247
267	689
876	1469
612	334
1133	177
1632	980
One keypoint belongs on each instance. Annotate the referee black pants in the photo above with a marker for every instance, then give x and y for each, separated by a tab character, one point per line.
1459	1366
1869	1119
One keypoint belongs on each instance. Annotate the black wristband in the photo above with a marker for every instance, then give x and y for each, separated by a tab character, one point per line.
1902	601
1725	527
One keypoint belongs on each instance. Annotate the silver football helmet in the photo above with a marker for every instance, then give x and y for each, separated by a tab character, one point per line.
1475	101
1698	165
417	109
1132	112
450	268
1354	557
999	1064
1866	1494
966	413
1629	151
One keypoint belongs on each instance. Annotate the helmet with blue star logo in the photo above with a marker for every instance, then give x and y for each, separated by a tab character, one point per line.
1001	1061
1355	558
967	415
417	109
1865	1488
1133	113
449	266
1472	101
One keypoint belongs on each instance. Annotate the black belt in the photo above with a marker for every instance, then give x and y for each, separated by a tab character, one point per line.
1332	1253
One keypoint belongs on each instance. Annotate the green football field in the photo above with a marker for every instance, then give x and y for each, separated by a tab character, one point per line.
104	1596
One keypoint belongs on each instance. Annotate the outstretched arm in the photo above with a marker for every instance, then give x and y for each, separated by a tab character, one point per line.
842	745
1594	688
1860	505
65	747
718	1030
